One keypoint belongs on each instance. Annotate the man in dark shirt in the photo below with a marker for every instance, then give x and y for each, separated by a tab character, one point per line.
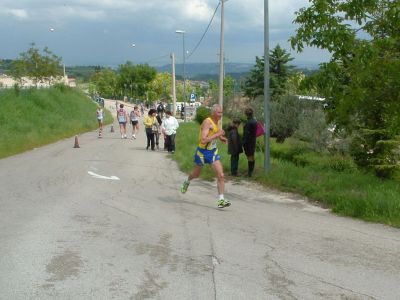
249	140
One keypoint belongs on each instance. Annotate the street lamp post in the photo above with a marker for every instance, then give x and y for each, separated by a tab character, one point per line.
183	75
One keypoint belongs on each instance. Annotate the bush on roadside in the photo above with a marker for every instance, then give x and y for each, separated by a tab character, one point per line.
285	113
313	129
287	150
202	113
341	163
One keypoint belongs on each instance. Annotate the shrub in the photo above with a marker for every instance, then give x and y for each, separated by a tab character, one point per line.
340	143
288	150
313	129
285	113
341	164
376	150
202	113
61	87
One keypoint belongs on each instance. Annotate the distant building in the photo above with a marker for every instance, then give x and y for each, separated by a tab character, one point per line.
26	82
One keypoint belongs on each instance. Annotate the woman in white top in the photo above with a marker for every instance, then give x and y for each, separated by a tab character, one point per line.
100	119
169	127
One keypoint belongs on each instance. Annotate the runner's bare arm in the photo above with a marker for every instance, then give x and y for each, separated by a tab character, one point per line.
205	128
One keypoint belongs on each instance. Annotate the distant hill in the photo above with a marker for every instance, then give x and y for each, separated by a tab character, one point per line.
207	71
194	69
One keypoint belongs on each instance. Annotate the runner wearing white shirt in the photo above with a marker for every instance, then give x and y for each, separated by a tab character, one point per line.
168	128
100	119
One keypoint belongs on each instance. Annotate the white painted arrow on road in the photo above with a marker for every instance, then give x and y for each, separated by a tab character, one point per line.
102	177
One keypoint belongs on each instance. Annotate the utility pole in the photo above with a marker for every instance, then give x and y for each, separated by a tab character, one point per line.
221	59
266	89
173	85
184	76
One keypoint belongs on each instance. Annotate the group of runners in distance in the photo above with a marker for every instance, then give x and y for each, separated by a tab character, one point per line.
206	151
158	122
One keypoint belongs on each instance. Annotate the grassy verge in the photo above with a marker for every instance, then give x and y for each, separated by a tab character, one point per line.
333	182
36	117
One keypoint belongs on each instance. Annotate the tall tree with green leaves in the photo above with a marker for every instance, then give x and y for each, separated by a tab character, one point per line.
362	80
105	83
136	78
254	82
161	86
280	71
40	67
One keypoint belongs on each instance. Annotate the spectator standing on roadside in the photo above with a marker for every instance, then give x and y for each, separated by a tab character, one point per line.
122	117
183	111
249	140
234	146
160	110
157	131
149	123
100	119
142	109
134	116
168	128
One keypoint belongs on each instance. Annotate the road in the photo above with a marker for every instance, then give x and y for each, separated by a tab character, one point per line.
107	221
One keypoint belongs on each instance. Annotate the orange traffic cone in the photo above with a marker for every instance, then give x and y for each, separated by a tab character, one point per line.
112	128
76	142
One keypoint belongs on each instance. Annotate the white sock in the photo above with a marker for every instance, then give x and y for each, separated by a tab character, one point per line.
221	197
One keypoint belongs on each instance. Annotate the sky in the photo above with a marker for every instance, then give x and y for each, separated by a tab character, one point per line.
102	32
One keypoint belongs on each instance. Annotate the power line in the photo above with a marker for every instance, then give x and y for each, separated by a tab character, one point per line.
205	32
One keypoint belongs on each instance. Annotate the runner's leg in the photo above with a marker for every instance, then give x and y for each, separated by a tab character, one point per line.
219	172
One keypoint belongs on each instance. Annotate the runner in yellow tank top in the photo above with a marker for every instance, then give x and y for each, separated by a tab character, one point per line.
207	153
213	130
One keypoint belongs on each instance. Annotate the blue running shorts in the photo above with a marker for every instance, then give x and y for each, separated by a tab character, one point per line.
205	156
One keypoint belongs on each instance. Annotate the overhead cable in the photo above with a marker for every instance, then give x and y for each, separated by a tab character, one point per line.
205	32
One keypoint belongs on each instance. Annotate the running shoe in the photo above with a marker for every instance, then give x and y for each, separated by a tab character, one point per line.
185	186
223	203
227	203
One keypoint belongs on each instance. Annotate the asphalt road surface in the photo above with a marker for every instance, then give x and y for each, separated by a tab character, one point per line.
107	221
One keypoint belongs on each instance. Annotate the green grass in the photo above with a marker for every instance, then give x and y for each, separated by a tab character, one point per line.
36	117
333	182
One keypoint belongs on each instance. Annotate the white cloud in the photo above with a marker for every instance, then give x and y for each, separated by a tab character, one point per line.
18	13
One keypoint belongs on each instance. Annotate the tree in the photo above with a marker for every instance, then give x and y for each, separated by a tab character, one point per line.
161	86
279	69
40	67
254	83
138	76
229	88
105	82
361	82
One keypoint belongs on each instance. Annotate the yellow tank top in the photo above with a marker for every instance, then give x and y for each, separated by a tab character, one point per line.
211	145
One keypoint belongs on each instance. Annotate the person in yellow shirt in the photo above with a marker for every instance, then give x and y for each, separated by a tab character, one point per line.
207	153
149	123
